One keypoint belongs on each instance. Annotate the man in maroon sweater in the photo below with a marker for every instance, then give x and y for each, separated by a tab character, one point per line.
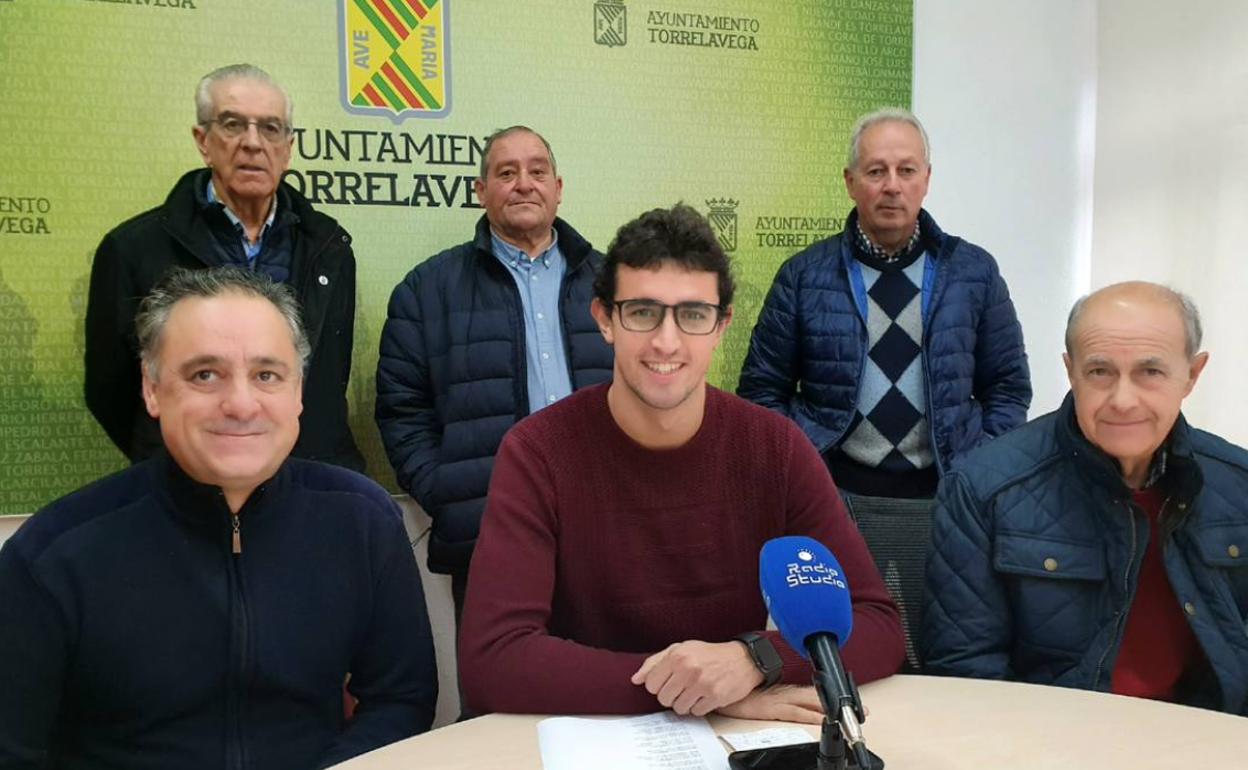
617	566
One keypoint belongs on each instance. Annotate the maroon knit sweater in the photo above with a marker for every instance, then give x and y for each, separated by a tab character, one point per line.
596	552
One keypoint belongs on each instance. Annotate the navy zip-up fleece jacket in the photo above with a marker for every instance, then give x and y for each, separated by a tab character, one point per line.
131	636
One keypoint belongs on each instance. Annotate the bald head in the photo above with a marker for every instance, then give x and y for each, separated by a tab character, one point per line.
1132	357
1137	294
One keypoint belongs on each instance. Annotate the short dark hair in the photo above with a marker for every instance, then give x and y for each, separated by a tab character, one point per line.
680	236
180	283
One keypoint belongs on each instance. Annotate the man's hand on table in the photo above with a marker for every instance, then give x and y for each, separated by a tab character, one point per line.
700	677
783	703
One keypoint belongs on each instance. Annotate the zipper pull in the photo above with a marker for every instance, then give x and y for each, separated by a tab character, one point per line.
237	545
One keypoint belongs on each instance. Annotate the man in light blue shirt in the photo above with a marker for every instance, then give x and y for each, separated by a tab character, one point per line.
481	335
538	278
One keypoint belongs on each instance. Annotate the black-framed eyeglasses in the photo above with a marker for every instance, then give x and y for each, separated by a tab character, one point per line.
271	130
646	315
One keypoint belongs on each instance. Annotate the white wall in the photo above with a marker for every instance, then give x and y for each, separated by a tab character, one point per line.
441	610
1085	142
1172	175
9	525
1007	91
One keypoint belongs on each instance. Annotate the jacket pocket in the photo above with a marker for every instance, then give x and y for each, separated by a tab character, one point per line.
1057	592
1033	556
1224	549
1224	546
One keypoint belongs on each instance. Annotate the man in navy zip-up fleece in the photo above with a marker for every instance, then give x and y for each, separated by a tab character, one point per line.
203	608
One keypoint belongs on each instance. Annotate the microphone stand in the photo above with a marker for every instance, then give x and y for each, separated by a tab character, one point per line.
841	715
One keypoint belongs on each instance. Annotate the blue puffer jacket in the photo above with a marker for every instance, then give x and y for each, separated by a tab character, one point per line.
810	343
1036	555
452	378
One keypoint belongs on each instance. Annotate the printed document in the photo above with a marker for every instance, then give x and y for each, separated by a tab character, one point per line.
662	741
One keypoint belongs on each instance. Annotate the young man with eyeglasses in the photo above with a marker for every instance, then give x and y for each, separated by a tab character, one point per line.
617	566
236	212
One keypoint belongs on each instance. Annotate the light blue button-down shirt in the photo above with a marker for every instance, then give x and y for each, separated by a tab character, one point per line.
249	248
539	281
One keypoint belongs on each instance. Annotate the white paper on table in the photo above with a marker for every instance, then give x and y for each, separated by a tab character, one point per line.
662	741
765	739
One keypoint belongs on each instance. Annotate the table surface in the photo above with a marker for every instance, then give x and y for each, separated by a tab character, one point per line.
922	723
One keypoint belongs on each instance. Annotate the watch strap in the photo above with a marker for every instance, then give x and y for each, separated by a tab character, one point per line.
764	655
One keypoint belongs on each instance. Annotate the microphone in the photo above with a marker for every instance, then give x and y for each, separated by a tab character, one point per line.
807	595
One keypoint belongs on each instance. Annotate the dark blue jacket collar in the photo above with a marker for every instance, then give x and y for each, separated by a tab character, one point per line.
1183	477
575	249
200	503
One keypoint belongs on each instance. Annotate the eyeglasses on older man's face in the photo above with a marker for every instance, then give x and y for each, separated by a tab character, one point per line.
233	126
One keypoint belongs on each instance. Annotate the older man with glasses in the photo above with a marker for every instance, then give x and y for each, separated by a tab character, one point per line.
235	212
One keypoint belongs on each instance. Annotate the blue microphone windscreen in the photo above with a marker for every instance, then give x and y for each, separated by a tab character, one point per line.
805	590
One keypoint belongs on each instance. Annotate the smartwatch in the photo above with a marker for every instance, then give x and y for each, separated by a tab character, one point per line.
764	655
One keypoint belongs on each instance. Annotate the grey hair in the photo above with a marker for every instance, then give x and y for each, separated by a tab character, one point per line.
885	115
1193	332
504	132
203	92
180	284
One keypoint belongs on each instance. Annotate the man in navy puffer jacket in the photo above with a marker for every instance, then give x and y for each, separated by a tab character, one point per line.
893	345
1103	546
481	335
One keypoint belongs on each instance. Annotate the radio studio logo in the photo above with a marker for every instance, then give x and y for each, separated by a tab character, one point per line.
395	57
805	573
610	23
723	219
